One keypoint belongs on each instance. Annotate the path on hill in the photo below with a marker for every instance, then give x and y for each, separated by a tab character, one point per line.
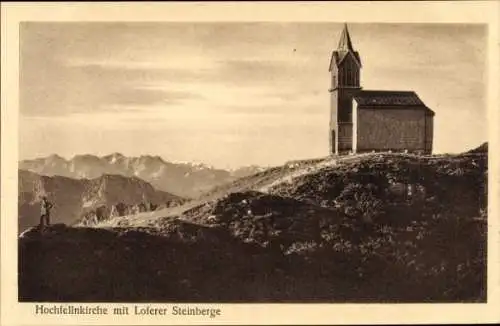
262	182
308	169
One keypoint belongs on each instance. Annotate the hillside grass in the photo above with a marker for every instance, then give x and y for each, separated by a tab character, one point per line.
370	228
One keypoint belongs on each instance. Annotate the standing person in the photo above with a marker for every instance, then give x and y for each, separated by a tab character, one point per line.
45	211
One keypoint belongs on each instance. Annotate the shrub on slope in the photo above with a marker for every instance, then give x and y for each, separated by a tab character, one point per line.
424	184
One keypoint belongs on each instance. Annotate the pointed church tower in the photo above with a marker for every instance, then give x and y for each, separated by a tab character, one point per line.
345	66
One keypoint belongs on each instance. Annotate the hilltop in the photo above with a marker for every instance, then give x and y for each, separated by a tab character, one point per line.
363	228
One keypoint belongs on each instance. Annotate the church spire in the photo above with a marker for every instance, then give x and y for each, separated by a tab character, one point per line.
345	43
344	50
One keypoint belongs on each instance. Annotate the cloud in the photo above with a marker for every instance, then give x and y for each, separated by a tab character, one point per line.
58	89
144	96
94	67
161	65
273	73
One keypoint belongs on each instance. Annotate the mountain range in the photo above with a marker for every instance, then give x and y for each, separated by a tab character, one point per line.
187	180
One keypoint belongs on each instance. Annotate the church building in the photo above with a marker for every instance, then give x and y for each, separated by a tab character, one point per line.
373	120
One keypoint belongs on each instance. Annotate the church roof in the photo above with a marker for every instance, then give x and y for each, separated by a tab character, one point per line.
338	57
386	99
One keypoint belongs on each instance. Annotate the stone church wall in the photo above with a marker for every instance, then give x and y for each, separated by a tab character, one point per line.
391	129
345	137
429	133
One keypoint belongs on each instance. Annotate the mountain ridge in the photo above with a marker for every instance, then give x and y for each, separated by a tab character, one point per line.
183	179
74	197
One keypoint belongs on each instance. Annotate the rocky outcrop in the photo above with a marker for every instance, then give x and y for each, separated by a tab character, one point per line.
103	213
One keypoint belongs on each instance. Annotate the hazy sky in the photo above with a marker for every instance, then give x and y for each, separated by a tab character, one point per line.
232	94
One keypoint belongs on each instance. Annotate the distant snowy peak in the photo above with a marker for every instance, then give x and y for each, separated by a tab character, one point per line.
55	157
114	157
195	165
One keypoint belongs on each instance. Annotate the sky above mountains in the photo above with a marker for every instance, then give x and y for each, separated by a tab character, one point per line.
232	94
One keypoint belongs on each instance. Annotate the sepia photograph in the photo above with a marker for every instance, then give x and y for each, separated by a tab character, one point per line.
250	162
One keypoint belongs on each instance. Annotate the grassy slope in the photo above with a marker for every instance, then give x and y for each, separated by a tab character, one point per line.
262	181
338	230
